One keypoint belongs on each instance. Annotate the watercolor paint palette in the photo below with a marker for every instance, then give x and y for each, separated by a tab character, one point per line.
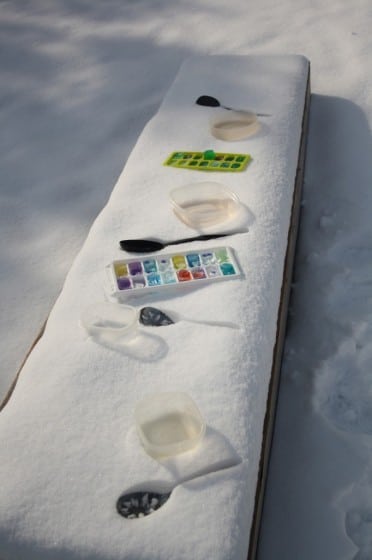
140	275
208	161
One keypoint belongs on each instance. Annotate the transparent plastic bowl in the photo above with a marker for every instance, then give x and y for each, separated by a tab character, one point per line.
205	204
168	424
234	125
110	319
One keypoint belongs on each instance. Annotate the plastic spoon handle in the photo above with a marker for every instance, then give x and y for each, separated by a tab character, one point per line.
213	323
211	469
244	110
149	245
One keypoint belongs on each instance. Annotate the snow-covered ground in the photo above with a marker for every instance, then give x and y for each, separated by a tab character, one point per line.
79	81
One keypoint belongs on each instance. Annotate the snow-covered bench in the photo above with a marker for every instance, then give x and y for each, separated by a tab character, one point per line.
69	446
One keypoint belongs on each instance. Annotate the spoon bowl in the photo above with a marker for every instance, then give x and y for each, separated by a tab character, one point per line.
140	504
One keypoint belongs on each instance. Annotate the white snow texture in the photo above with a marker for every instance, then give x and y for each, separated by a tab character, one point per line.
79	82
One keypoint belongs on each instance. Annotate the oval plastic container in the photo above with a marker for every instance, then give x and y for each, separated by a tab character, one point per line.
205	204
168	424
110	319
234	125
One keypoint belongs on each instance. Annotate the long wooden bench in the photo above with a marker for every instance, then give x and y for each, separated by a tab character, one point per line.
69	446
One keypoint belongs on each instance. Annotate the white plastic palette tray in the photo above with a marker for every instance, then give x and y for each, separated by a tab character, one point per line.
140	275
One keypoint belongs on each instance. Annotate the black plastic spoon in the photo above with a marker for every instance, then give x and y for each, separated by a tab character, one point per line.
209	101
149	245
140	503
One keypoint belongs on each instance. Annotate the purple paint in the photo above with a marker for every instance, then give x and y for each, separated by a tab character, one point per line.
124	283
135	268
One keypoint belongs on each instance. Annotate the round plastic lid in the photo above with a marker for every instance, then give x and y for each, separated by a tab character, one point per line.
234	125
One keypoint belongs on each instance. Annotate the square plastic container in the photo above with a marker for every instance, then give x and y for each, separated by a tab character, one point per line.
168	424
205	204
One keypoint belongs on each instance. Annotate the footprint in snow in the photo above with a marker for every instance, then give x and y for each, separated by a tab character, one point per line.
343	384
358	525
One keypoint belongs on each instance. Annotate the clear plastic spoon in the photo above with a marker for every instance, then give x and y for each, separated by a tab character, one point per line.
120	321
152	316
140	503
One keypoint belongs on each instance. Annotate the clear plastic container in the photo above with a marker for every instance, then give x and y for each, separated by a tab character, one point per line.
234	125
110	319
168	424
205	204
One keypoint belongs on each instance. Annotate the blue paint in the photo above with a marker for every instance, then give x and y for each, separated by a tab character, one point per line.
150	266
193	260
154	279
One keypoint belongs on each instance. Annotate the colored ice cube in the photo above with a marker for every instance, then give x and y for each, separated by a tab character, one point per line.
213	270
124	283
179	262
164	264
193	259
168	277
227	269
154	279
221	255
149	265
208	258
184	275
135	268
198	273
139	281
120	268
209	154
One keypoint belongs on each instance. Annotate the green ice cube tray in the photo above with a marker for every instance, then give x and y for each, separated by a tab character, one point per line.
208	161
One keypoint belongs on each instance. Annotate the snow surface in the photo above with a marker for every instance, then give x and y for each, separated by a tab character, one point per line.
79	82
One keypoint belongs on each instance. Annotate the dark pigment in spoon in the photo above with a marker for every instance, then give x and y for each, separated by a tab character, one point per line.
140	504
151	316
